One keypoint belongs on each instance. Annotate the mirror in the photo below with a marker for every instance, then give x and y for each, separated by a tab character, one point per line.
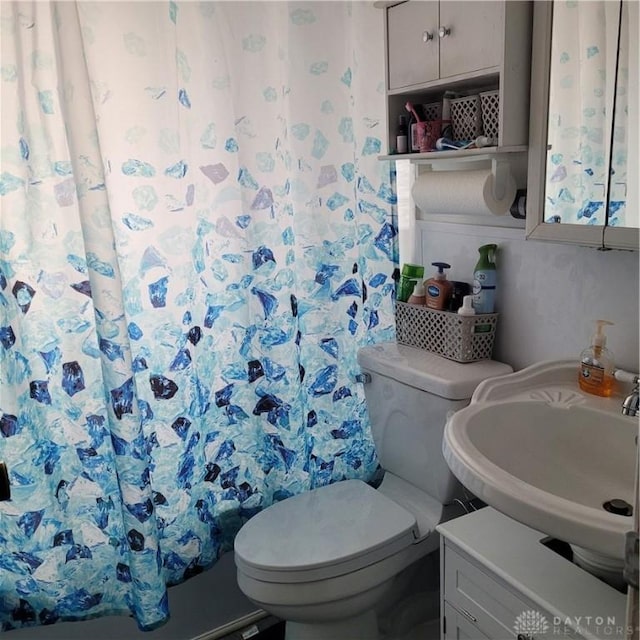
583	72
623	198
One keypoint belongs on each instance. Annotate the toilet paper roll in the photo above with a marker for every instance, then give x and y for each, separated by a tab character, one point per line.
462	192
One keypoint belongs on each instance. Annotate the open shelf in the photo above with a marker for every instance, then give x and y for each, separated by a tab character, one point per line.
483	153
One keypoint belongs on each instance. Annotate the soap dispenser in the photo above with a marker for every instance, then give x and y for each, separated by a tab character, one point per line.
438	288
418	295
467	307
595	374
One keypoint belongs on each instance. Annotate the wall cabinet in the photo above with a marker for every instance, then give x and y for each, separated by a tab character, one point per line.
432	40
498	580
466	47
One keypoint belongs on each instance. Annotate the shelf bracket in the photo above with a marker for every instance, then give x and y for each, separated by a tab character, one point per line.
501	171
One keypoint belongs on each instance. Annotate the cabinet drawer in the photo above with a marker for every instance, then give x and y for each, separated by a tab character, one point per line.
493	604
460	627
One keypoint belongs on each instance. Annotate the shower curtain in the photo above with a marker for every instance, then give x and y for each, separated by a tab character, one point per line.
195	238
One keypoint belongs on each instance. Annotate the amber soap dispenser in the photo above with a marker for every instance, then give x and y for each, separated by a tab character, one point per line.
595	374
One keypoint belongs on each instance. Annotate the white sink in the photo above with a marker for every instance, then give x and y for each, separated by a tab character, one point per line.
534	446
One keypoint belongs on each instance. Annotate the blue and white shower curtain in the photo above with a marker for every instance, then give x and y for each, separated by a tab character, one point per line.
195	238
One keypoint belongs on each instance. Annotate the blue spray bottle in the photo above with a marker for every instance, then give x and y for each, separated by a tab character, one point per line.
484	280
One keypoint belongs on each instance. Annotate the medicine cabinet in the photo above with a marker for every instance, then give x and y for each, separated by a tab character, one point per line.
430	41
584	124
468	47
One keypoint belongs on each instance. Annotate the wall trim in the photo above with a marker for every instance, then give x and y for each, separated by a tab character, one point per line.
505	233
234	625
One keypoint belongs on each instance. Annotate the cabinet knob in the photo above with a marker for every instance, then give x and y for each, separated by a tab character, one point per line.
443	32
427	36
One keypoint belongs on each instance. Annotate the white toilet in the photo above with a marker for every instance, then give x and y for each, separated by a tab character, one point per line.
323	560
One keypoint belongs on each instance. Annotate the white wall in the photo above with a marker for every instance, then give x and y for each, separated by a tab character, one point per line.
548	294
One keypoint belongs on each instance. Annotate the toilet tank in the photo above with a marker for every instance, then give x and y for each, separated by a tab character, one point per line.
409	395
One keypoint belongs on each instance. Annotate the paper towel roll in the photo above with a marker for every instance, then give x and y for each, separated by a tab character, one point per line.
463	192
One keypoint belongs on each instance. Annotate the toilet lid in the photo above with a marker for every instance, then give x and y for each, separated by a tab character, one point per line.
326	532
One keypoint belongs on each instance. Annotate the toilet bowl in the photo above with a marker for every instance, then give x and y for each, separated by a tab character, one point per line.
323	560
350	543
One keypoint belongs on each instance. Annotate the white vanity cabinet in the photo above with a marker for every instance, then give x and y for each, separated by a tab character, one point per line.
467	47
432	40
499	581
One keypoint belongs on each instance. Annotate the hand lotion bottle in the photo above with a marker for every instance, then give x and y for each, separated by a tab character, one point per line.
438	288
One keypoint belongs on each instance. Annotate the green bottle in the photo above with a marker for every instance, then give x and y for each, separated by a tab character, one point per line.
411	275
484	280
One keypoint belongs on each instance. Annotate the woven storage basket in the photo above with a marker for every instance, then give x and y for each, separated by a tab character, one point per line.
452	336
432	111
490	106
466	118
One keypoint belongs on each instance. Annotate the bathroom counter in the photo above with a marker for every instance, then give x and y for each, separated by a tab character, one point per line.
490	560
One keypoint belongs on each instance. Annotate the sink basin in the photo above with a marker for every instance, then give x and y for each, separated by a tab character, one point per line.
534	446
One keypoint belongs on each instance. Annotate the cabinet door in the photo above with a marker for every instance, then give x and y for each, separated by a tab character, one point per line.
412	31
470	587
475	37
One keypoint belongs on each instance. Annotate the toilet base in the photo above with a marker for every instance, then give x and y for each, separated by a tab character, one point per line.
360	627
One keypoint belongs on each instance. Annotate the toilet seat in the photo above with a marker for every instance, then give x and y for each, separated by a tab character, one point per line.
323	533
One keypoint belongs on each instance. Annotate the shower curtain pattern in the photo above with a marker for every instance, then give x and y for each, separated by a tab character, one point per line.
195	238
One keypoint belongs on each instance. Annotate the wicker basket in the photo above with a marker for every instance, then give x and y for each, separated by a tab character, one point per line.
490	106
466	118
452	336
432	111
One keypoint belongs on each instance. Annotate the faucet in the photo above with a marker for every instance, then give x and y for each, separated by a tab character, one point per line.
631	404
